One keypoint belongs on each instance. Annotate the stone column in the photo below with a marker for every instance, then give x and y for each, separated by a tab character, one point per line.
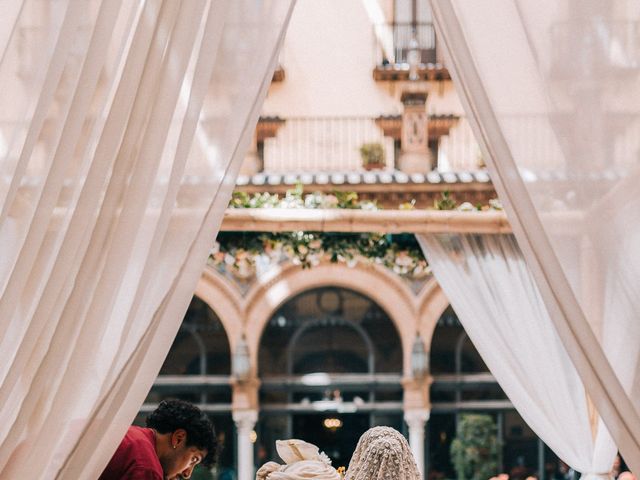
244	404
417	408
415	156
416	420
245	420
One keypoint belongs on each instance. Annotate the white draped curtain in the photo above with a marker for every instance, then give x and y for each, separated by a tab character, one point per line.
553	91
495	297
122	127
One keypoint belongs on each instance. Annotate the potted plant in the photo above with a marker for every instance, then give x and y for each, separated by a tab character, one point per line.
372	156
474	451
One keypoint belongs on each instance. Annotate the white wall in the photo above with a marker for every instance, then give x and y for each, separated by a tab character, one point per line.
328	61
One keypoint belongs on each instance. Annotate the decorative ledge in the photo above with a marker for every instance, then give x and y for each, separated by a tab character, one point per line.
379	221
400	72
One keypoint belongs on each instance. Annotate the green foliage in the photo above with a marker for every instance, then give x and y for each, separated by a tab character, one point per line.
446	202
239	252
296	198
475	450
348	200
372	154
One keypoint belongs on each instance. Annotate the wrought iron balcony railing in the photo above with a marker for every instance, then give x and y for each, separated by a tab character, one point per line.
393	41
394	45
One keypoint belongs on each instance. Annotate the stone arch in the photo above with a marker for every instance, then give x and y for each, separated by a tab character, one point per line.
385	289
432	302
225	301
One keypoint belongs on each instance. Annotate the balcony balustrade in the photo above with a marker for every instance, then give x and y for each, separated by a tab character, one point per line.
323	144
332	144
394	41
392	44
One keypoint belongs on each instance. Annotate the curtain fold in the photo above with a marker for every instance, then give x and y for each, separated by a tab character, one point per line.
552	91
123	128
496	299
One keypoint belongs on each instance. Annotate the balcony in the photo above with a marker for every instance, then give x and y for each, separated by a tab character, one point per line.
332	144
323	144
323	154
393	43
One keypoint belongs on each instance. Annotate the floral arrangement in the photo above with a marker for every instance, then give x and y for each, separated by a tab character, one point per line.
296	198
244	253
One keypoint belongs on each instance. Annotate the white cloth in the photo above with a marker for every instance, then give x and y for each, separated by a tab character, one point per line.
382	453
302	461
491	290
122	128
551	89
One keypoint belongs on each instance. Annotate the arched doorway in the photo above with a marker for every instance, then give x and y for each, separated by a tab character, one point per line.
197	369
330	365
462	383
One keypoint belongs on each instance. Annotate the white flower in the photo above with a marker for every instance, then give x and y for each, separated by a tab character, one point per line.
495	204
313	200
403	260
466	207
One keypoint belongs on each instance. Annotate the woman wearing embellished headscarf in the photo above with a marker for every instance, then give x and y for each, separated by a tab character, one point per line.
303	461
382	453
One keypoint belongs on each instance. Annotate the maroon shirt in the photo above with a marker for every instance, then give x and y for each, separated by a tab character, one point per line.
135	458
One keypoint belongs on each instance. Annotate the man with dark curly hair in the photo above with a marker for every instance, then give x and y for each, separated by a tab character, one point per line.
179	436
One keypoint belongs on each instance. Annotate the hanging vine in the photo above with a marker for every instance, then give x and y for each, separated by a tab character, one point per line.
245	253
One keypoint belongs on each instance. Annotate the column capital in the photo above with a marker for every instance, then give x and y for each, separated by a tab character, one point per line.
245	419
417	417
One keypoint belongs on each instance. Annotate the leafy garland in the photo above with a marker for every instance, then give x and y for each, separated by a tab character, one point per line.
246	253
296	198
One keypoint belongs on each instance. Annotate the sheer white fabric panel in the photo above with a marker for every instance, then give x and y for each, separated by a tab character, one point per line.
553	90
122	128
495	297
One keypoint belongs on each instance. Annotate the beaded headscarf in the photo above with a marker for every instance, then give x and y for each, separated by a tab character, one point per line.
382	453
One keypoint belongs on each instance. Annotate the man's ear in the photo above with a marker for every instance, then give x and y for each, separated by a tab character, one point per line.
178	438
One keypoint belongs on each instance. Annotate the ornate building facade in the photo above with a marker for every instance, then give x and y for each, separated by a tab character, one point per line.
323	353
